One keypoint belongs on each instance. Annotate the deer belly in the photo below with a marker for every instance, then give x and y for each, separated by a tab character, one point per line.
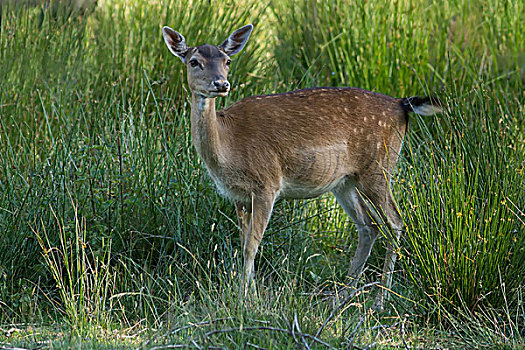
315	171
299	190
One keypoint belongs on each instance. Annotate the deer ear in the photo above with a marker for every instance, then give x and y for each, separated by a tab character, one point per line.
236	41
175	42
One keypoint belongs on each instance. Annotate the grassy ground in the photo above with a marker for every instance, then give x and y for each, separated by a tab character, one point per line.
112	235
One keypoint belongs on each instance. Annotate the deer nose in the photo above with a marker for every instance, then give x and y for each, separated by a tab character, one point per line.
222	85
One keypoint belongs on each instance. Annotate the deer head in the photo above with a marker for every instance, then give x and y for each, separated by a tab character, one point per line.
207	65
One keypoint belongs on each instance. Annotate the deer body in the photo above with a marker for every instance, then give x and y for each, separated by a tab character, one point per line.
330	143
299	144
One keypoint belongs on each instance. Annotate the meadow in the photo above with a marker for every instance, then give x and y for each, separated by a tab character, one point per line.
113	236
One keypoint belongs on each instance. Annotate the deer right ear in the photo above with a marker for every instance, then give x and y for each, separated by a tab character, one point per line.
175	42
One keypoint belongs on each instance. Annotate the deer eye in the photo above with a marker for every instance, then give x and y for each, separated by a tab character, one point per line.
194	63
228	62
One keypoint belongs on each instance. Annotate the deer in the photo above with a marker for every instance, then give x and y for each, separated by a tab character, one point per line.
298	145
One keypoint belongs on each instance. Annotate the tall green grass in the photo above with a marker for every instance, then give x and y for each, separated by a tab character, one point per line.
110	227
463	212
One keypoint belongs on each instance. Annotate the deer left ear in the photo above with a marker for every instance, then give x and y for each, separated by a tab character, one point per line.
236	41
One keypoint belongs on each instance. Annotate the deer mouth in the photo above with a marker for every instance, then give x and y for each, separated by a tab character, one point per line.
219	92
211	93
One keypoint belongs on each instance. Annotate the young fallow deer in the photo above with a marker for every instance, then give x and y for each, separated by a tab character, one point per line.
299	144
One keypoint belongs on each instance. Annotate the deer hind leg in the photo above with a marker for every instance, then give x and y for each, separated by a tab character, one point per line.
384	208
262	206
395	223
349	198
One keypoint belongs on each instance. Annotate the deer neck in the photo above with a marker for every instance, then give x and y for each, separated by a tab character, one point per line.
204	129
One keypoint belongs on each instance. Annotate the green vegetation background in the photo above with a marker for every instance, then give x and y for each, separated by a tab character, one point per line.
111	233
